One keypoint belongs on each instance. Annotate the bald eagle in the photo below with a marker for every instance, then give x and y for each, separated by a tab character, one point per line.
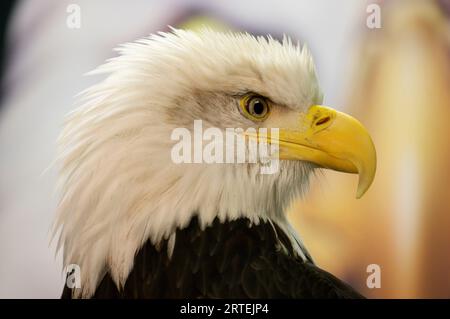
139	225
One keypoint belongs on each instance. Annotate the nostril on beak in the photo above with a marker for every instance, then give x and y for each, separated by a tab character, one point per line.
323	121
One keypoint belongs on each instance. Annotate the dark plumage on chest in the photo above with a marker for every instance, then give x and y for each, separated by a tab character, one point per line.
225	260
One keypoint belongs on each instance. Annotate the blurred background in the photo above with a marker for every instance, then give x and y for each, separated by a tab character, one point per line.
391	71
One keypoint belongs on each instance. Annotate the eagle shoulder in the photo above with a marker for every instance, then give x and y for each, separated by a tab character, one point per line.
234	259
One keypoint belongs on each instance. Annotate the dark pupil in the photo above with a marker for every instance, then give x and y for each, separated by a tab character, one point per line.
258	107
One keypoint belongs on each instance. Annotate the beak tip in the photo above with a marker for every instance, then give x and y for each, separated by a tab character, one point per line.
364	184
359	193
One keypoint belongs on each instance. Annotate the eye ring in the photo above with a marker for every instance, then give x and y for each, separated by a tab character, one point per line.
255	107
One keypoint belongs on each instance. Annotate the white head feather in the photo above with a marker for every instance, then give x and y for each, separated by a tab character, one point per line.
120	188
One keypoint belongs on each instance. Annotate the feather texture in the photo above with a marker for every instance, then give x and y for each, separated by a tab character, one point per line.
226	260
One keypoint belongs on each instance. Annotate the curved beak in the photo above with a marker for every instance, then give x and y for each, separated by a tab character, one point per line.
333	140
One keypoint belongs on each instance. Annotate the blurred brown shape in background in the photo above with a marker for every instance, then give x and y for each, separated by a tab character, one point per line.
401	92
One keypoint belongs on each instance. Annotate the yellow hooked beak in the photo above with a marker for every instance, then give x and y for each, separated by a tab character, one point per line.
333	140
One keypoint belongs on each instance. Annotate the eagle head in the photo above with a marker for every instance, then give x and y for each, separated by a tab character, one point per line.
120	186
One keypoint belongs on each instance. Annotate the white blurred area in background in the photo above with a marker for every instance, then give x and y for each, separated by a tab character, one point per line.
45	72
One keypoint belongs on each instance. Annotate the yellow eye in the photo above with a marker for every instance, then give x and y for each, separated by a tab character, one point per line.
255	107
